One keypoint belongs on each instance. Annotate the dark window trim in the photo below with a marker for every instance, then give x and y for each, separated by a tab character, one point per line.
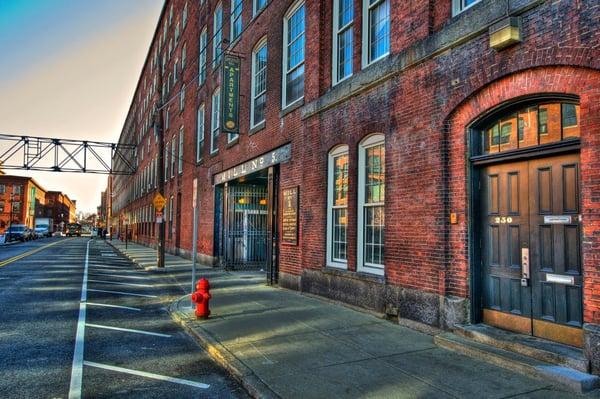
572	144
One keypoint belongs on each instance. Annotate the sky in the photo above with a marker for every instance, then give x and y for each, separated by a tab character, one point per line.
68	69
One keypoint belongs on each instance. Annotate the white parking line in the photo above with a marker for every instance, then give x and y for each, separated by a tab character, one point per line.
128	330
115	275
114	306
148	375
123	293
119	283
77	366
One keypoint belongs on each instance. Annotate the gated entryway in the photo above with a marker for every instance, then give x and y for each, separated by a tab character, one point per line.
529	231
246	233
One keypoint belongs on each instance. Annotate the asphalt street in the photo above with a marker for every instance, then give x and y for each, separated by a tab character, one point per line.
79	320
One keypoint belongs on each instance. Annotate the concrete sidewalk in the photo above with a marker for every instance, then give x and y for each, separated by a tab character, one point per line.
281	343
145	257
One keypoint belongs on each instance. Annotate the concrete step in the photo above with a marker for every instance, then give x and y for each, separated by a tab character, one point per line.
537	348
571	379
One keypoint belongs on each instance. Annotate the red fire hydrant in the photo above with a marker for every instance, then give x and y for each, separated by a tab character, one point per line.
201	297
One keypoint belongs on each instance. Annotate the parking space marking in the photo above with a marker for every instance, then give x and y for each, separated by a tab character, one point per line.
148	375
123	293
114	306
118	276
128	330
120	283
77	366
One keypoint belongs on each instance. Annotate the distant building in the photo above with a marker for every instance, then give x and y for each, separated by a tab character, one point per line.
22	199
60	208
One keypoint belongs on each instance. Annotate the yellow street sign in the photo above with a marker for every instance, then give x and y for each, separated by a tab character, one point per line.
159	202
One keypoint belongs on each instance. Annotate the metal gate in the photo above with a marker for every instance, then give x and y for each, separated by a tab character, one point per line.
247	228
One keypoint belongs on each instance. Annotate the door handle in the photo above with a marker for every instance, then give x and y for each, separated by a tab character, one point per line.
525	276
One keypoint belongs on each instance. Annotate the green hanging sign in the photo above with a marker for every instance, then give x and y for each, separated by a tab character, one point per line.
231	94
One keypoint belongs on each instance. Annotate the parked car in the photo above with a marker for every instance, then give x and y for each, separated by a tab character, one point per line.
17	232
29	234
40	232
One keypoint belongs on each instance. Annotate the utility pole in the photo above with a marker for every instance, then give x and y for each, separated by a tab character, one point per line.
160	137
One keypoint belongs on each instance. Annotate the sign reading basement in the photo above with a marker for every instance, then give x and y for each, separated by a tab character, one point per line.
279	155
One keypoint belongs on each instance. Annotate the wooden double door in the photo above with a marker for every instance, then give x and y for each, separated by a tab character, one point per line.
530	240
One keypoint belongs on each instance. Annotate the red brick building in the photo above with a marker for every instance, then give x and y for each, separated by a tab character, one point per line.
22	199
61	209
438	160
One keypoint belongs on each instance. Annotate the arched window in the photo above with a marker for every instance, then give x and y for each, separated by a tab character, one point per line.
371	204
528	126
337	207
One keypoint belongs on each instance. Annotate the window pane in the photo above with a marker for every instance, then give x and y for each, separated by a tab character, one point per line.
549	116
345	12
570	120
528	127
338	242
374	235
509	139
260	84
379	30
340	180
295	85
375	174
344	53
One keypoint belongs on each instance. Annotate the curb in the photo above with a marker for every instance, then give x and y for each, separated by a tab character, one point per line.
238	370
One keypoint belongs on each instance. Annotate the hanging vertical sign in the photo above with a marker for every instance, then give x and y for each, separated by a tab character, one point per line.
231	94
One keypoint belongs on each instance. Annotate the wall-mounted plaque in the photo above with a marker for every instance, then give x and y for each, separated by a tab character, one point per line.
289	216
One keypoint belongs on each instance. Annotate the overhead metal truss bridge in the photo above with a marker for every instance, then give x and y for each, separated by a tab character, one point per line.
66	155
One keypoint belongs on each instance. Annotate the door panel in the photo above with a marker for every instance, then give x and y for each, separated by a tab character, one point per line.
555	240
505	228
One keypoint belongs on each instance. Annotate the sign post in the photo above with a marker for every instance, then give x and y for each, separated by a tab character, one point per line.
195	233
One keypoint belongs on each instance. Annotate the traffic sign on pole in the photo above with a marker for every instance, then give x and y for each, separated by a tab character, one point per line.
159	202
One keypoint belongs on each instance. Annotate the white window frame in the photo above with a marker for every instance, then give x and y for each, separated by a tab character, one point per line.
180	155
458	6
217	38
235	15
173	156
200	132
297	5
203	52
370	141
366	29
255	9
262	43
340	150
337	30
215	120
182	98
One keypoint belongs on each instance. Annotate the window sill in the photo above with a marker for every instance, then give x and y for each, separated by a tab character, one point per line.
233	142
213	154
292	107
257	128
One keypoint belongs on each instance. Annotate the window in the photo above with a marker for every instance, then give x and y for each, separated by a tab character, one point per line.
293	55
259	84
183	57
337	208
2	188
16	206
180	159
202	60
371	198
175	67
259	5
343	15
215	120
185	15
236	19
171	15
200	134
173	156
376	30
182	98
218	34
16	189
529	126
166	160
176	34
459	6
